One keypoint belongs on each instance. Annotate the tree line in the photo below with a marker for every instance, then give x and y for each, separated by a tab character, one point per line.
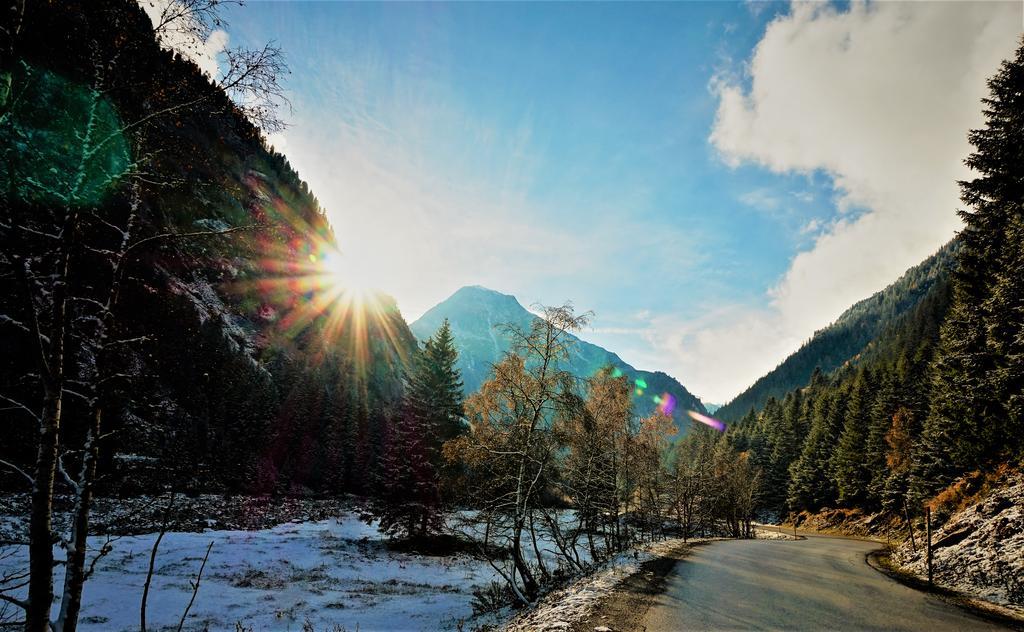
552	473
940	392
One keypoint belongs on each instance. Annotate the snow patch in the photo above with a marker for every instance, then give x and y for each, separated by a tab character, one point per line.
328	572
574	602
980	549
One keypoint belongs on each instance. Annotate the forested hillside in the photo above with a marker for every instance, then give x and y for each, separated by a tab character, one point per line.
149	228
848	336
479	318
937	394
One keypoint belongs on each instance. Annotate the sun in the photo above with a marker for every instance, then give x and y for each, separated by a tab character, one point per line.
343	274
353	307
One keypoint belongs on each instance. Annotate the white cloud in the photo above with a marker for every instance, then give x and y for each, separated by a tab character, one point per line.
762	199
811	227
880	97
181	36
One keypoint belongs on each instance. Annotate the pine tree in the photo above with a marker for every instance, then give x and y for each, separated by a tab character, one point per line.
848	468
407	501
407	487
787	442
435	390
875	448
979	368
810	486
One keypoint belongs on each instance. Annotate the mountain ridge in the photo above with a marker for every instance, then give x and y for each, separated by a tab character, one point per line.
476	315
851	334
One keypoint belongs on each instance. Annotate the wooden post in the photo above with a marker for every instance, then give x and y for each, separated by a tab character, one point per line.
928	527
910	527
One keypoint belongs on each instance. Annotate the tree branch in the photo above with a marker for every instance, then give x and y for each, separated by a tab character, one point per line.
31	481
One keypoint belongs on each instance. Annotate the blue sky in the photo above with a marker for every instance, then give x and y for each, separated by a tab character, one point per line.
665	165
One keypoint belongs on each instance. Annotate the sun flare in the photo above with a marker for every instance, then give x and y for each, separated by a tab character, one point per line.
343	273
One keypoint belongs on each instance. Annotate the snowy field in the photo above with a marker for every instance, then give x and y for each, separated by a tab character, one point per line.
330	573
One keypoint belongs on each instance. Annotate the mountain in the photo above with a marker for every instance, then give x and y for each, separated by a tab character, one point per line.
849	336
477	314
231	375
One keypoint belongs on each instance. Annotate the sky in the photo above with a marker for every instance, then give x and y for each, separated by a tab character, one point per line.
715	180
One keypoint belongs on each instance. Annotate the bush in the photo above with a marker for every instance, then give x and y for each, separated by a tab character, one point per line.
492	597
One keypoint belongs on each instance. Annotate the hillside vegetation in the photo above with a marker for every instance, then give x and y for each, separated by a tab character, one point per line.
234	379
849	336
935	399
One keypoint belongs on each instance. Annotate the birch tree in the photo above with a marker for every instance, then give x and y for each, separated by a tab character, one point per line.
511	447
64	212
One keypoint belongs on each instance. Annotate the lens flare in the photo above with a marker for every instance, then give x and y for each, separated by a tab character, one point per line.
303	282
709	421
666	404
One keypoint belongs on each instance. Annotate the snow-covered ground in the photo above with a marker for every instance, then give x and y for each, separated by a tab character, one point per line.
980	550
329	572
573	602
325	573
772	532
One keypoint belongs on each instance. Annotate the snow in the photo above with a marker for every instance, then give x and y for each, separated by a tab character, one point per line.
561	607
772	533
208	304
980	549
329	572
212	224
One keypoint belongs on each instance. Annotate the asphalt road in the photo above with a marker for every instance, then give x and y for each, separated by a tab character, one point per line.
821	583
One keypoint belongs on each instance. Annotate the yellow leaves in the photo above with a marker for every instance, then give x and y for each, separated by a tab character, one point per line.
899	440
461	450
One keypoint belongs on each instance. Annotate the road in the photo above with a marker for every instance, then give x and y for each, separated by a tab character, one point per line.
821	583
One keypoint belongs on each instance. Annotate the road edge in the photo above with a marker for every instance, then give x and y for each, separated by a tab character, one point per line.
625	605
987	610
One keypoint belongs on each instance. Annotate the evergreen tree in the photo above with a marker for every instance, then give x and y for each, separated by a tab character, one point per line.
875	448
787	442
810	486
848	467
979	369
407	481
407	500
435	390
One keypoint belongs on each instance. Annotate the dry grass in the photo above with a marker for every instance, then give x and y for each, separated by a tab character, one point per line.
970	489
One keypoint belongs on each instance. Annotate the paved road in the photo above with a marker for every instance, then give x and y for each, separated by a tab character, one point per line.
821	583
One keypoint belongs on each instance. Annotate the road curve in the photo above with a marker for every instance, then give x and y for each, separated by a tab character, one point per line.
821	583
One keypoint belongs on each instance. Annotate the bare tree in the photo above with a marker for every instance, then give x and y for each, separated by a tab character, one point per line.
595	441
647	459
73	330
511	445
251	77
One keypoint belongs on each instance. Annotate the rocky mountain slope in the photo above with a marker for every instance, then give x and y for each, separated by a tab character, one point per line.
980	548
477	316
239	377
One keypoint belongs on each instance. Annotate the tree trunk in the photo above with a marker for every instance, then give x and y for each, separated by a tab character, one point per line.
40	548
74	577
530	587
536	550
